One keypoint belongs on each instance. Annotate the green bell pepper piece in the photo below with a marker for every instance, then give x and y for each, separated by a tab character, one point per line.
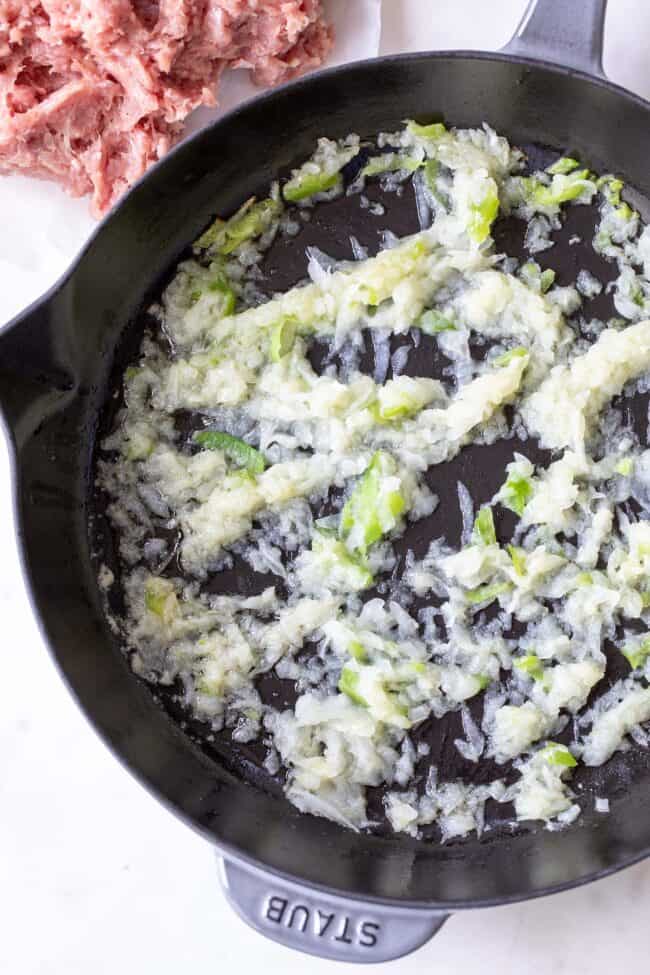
516	493
308	184
487	593
283	336
530	665
507	357
563	166
563	188
431	322
372	507
637	656
432	131
484	530
556	754
625	466
235	449
390	162
349	685
482	216
518	559
251	221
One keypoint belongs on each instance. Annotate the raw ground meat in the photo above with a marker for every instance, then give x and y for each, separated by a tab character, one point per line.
94	91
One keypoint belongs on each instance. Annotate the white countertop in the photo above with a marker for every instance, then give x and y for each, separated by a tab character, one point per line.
96	877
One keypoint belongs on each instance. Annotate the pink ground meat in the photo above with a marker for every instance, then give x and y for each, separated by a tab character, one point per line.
94	91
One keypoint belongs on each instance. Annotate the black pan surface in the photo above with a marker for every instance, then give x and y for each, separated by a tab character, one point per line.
331	228
58	367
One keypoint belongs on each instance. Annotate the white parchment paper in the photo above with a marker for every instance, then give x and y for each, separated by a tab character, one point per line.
42	229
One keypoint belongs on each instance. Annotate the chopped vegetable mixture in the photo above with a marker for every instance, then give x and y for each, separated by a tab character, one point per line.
313	476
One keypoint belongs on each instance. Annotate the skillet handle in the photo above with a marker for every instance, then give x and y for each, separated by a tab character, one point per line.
35	372
566	32
326	925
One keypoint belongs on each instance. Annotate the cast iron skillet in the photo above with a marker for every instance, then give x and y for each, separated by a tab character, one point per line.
301	880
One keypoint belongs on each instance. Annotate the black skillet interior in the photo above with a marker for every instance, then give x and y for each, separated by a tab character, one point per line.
332	227
55	374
